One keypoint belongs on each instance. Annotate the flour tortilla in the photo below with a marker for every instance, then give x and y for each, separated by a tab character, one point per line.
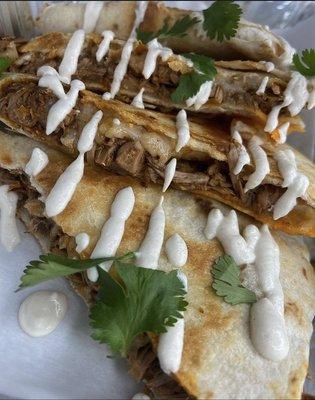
252	41
210	141
219	360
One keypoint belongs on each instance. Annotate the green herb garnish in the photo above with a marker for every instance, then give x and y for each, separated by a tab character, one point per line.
179	29
227	284
50	266
131	300
143	300
305	64
221	20
189	84
4	64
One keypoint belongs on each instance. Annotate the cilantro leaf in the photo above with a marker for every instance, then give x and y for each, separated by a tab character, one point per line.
179	29
189	85
4	64
202	64
221	20
305	64
50	266
146	300
227	284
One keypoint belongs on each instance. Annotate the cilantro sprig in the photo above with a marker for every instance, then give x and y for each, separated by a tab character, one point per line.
179	29
189	84
227	284
305	64
131	299
140	300
4	64
221	20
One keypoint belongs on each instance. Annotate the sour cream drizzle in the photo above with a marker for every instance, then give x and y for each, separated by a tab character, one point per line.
201	97
261	163
176	250
63	106
149	251
41	312
295	98
50	79
63	190
311	97
269	65
91	15
183	134
242	155
138	100
170	347
263	85
226	229
169	174
267	323
121	68
82	241
113	230
9	233
102	50
287	166
37	162
283	131
155	50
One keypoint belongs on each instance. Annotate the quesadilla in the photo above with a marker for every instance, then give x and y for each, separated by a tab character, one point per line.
251	42
233	93
218	360
140	143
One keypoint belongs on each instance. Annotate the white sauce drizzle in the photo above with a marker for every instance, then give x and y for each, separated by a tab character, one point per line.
121	68
102	50
183	134
138	100
261	164
295	98
37	162
63	190
169	174
89	131
41	312
106	96
287	166
311	97
226	229
51	80
176	250
63	106
9	233
269	65
149	251
82	241
91	15
116	121
113	230
263	85
242	154
69	63
283	132
155	50
201	97
170	347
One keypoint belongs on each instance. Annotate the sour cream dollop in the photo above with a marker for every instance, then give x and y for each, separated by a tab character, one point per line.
176	250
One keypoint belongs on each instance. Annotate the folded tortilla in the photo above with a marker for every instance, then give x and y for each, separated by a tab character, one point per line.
218	360
233	91
144	141
252	41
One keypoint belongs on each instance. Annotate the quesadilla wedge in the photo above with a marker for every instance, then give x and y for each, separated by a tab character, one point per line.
252	41
219	360
144	141
233	91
